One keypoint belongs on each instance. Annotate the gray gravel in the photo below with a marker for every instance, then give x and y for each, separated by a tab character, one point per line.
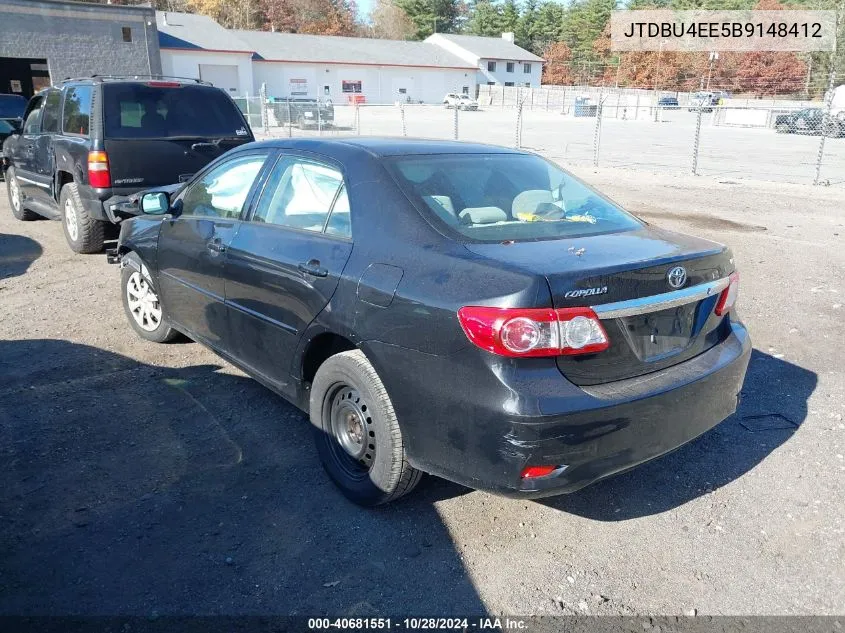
145	479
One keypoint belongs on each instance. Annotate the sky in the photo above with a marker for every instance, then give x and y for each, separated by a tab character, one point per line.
364	8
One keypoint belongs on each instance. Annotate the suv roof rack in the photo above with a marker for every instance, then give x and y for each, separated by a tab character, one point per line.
137	77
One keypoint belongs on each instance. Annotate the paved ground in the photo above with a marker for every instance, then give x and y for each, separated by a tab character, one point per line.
145	479
664	147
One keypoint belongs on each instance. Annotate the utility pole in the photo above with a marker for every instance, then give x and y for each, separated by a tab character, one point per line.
657	73
714	56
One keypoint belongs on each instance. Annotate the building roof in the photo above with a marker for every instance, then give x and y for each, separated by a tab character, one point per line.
196	32
329	49
490	47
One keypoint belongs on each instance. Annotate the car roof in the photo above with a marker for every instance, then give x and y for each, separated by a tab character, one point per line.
384	146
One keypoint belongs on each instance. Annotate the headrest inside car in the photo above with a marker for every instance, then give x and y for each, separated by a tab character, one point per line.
482	215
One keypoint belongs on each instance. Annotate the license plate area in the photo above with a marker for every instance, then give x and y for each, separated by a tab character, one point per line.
658	335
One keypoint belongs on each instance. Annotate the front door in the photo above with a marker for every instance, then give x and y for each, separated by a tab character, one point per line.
285	262
192	245
24	150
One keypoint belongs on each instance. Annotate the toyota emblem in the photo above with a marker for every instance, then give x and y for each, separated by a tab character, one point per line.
677	277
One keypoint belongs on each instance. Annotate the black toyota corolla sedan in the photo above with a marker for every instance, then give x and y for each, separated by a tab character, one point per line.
465	310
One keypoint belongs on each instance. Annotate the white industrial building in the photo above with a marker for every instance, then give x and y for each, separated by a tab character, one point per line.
344	69
499	61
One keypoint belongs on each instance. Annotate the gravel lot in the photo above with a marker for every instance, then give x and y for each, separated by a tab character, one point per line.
665	147
144	479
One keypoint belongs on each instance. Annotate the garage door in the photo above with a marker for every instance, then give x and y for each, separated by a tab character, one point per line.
225	77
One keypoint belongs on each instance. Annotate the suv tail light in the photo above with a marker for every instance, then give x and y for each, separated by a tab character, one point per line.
99	176
527	332
728	297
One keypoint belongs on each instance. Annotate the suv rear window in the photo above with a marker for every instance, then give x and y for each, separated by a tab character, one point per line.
147	111
504	197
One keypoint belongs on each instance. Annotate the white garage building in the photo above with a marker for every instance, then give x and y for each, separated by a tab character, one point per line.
346	69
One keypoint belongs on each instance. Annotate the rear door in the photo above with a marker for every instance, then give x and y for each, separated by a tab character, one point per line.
285	262
192	245
160	133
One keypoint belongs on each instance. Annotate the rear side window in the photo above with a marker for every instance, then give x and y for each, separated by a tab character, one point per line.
504	197
170	111
76	117
300	194
50	118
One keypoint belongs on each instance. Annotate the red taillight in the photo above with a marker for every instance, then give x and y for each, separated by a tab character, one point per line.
99	176
529	332
532	472
728	297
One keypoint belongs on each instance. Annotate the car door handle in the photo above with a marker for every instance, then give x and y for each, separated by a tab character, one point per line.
215	246
312	267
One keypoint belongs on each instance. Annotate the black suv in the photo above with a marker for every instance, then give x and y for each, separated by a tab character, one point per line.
87	144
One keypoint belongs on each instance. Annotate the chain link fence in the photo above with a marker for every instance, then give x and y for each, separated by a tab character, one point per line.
779	141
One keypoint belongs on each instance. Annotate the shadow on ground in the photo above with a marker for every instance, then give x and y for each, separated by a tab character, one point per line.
773	406
133	489
16	254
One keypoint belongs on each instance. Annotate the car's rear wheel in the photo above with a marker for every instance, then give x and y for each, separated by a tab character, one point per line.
356	431
782	128
142	306
83	233
13	188
831	128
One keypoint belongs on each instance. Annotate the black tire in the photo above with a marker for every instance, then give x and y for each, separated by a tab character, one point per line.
162	332
348	386
89	235
831	128
16	199
782	128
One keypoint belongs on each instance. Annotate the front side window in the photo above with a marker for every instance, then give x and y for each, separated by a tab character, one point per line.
491	67
76	116
50	118
222	192
32	124
300	194
502	197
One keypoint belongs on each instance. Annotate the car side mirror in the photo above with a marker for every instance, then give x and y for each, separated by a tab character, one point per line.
155	203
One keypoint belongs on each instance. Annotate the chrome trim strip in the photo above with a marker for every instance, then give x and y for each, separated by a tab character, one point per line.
644	305
33	182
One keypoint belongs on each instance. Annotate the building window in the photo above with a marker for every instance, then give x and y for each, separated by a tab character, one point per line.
527	84
491	83
465	90
526	68
491	67
127	33
351	86
509	83
509	67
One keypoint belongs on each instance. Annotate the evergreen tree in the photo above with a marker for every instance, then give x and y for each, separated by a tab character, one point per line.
526	27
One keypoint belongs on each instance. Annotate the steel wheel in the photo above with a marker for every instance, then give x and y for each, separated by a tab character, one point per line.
350	421
143	302
71	220
15	193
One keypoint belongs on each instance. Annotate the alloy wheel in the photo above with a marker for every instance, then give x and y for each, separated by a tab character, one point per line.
15	191
143	302
71	220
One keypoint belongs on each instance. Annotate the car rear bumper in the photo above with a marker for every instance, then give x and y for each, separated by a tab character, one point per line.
482	437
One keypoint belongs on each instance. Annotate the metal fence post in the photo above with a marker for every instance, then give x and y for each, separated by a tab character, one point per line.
827	120
358	118
519	125
597	135
290	120
695	142
262	95
402	116
319	120
455	124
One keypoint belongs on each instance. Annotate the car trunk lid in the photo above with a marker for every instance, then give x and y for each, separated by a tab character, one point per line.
625	278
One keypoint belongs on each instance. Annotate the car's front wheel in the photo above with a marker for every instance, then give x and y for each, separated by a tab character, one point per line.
143	308
356	431
84	234
13	188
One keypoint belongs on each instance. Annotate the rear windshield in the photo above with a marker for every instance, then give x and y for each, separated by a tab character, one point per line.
12	107
144	111
504	197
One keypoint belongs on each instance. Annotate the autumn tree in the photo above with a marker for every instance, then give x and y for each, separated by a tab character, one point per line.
390	22
317	17
557	70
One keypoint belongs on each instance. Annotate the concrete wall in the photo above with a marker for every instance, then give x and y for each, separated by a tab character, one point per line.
79	40
379	84
185	63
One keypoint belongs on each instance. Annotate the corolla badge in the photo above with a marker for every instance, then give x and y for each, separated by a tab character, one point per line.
677	277
586	292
